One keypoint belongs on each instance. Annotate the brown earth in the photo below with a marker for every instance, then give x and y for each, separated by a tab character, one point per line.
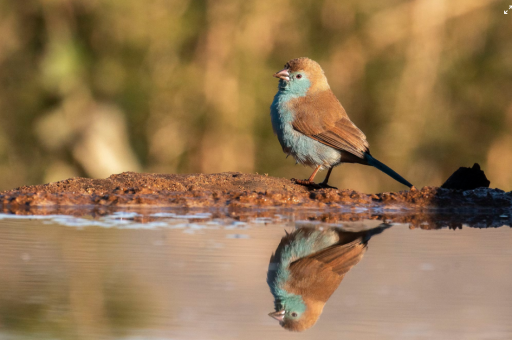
242	193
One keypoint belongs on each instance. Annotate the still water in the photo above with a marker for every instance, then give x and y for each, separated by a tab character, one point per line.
170	276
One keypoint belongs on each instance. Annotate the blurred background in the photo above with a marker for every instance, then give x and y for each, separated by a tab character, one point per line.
96	87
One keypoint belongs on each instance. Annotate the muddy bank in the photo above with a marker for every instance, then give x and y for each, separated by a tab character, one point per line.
235	192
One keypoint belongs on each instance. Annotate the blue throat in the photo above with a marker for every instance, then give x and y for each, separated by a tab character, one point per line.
280	113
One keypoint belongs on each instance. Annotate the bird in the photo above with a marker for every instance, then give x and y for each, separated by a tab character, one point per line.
312	125
307	267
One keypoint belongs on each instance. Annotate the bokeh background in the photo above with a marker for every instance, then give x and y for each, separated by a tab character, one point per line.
96	87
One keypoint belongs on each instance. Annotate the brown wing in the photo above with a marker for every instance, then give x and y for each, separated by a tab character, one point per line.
320	116
317	276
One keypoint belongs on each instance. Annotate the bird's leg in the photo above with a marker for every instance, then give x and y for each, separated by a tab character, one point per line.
327	176
312	177
308	181
324	183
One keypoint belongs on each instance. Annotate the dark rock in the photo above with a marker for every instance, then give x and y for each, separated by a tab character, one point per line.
467	179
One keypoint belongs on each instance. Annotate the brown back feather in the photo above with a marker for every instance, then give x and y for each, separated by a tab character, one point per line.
321	116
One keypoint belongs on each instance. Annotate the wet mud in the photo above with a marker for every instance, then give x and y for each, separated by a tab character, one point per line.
241	196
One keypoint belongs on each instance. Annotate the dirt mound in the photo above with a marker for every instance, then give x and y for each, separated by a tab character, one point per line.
234	191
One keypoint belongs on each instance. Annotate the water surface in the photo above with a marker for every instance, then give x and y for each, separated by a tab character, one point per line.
171	276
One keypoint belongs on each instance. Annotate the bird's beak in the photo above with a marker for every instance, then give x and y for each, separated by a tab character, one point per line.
283	74
279	315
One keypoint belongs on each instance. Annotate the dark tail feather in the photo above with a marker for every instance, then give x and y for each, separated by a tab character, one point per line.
385	169
375	231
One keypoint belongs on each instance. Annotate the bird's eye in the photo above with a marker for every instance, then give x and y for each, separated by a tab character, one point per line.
298	76
294	314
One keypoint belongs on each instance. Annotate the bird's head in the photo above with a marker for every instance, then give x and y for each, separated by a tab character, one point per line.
302	76
297	315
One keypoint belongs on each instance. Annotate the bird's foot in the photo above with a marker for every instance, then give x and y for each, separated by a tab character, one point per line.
305	182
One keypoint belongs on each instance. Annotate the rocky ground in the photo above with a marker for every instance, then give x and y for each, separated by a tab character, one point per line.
240	193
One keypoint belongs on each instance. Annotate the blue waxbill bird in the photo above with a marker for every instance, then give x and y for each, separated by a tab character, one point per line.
313	127
307	267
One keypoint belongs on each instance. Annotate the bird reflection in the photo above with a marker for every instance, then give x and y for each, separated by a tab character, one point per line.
307	267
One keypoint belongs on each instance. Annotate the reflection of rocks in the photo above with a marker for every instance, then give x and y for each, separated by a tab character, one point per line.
424	220
234	191
458	220
430	219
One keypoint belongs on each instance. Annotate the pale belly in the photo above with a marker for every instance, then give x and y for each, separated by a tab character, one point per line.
308	151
